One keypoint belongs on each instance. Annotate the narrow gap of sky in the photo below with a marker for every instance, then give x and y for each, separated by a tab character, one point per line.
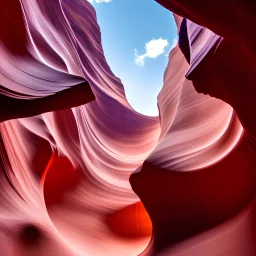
126	27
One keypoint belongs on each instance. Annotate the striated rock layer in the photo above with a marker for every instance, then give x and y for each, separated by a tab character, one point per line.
203	169
70	142
65	174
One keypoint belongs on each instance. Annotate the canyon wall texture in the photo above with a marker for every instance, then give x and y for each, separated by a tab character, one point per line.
73	151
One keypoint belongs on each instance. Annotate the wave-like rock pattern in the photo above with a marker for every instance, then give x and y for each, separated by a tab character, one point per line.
199	190
70	144
66	173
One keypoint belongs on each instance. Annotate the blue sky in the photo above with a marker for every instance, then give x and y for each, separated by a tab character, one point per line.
137	36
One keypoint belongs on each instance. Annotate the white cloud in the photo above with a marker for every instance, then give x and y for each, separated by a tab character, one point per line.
174	44
99	1
153	48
